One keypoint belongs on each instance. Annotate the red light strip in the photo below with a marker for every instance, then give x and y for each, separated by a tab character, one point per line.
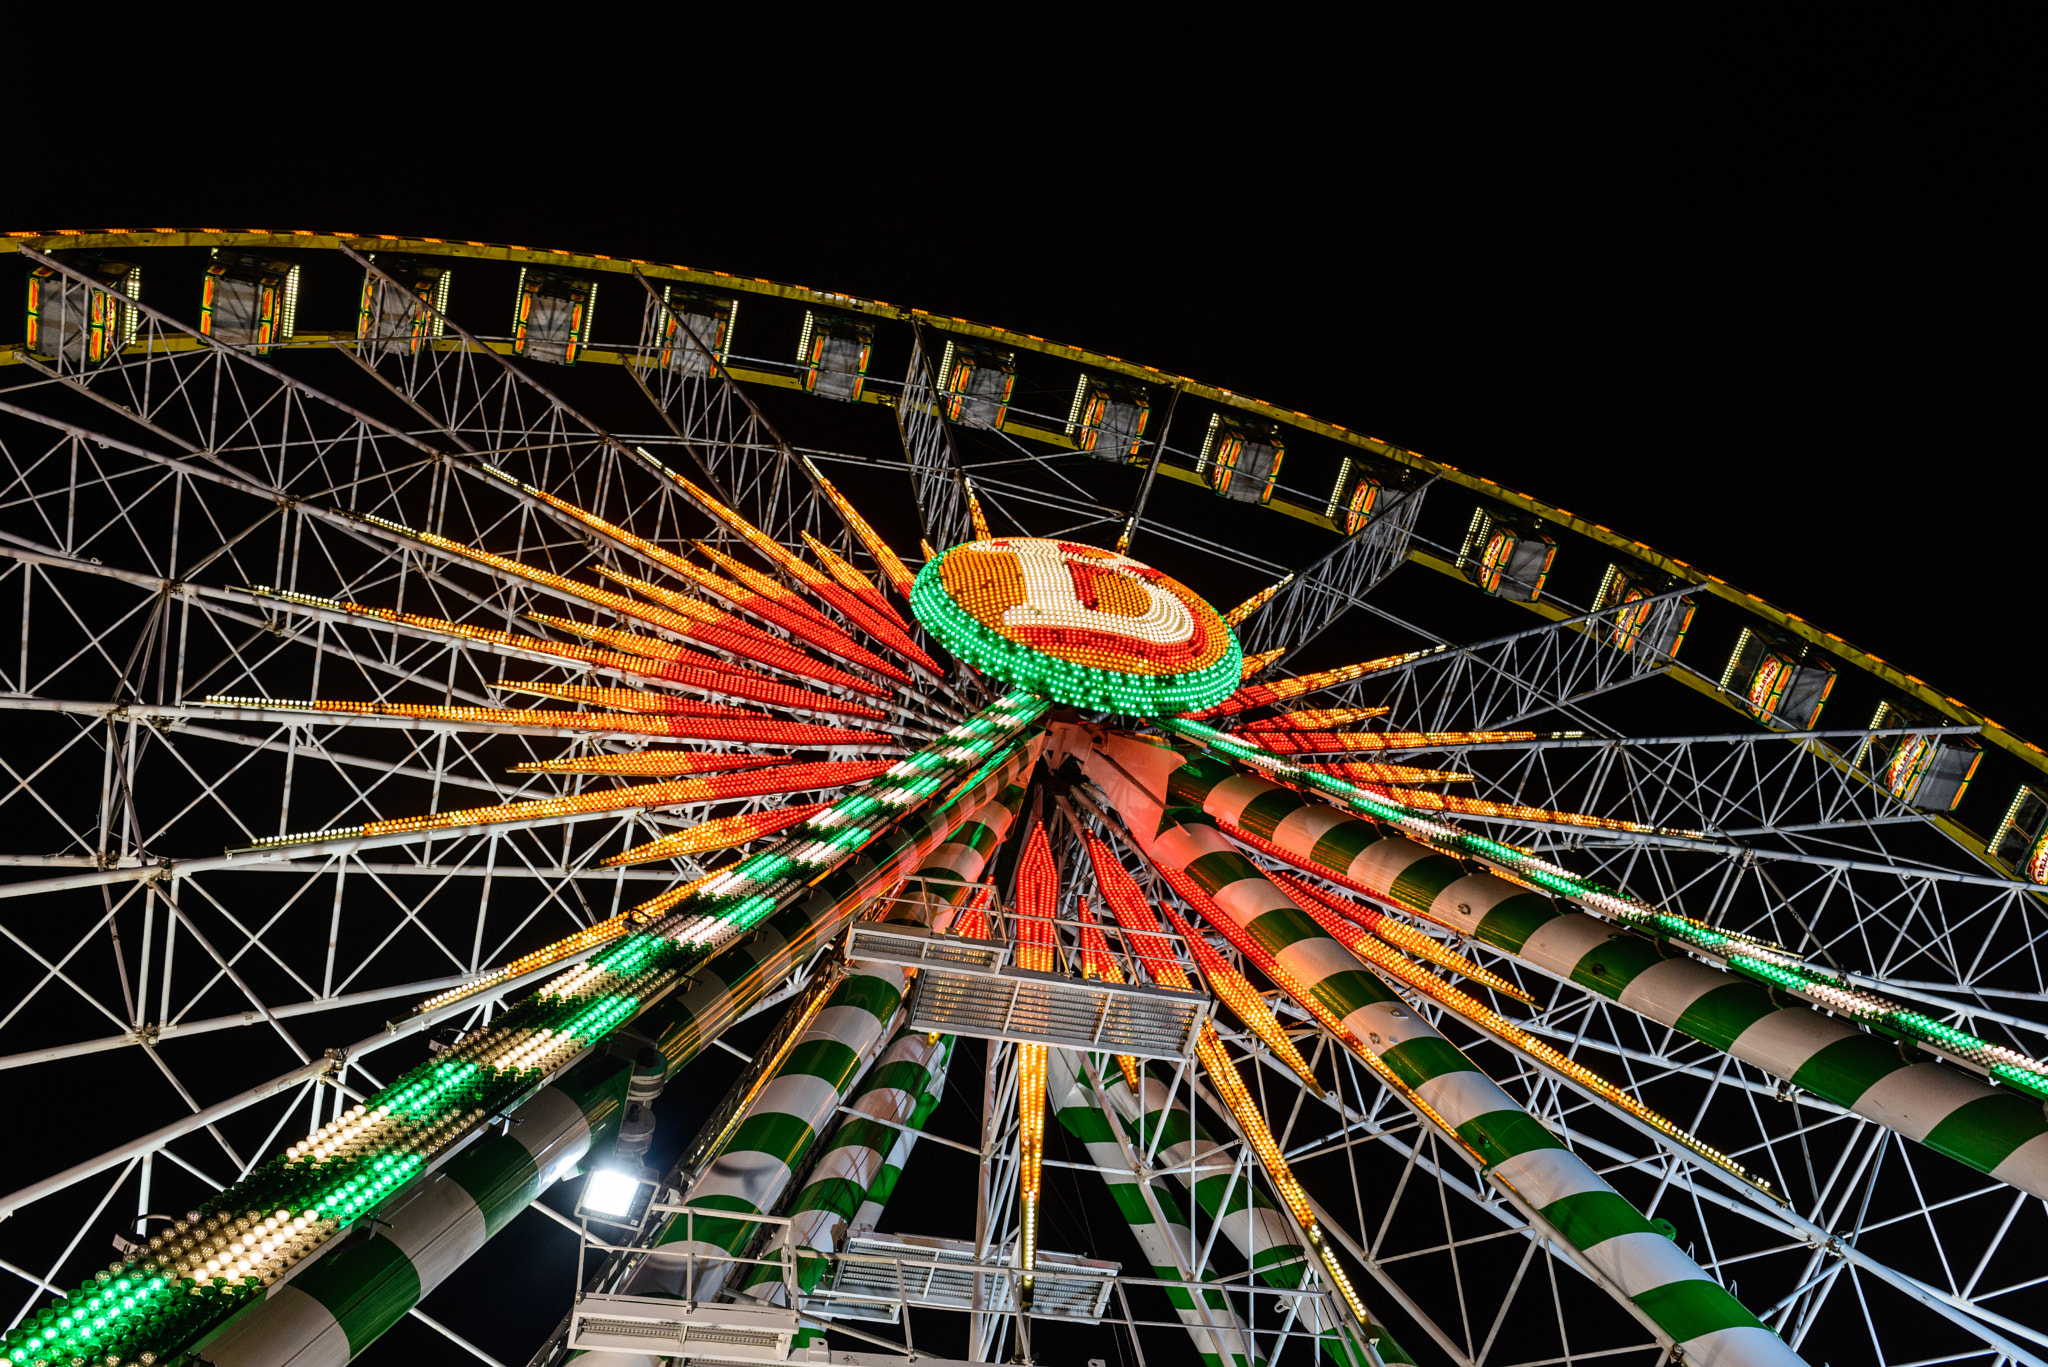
652	763
1133	913
1280	690
1361	920
1238	993
722	833
801	618
1255	953
1037	894
1336	742
690	668
1318	719
972	919
851	579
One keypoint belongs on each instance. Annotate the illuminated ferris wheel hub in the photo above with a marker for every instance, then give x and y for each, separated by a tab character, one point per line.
1083	626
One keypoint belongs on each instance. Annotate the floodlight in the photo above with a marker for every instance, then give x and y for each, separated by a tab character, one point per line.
616	1194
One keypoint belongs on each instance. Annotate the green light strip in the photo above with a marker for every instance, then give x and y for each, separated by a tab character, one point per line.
1766	962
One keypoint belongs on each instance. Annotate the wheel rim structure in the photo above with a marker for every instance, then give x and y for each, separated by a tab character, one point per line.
468	676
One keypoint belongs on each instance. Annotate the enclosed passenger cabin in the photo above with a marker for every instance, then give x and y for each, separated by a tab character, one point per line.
70	320
551	321
1778	678
1505	555
249	301
695	329
1107	418
975	383
1924	771
1639	621
1241	458
834	351
396	316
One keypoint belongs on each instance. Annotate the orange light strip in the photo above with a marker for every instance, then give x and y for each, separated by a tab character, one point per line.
723	833
1393	965
655	906
1315	719
630	700
1031	1157
1280	690
690	668
1254	663
1515	811
604	932
1336	742
1149	945
1241	997
652	763
1403	937
737	730
1252	1125
1236	616
850	578
1098	962
669	793
975	515
805	620
1388	773
893	569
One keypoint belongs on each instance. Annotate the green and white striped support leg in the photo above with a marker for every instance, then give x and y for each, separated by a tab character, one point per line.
906	1083
936	891
731	982
1260	1231
904	1086
1991	1129
1664	1288
1219	1335
774	1135
344	1300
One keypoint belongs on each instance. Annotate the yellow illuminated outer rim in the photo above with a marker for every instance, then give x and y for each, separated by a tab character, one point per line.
323	239
1069	681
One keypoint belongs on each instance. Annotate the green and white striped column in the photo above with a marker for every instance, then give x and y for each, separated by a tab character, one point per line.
904	1087
1994	1130
1260	1231
774	1136
732	982
344	1300
858	1170
932	895
1219	1335
1664	1288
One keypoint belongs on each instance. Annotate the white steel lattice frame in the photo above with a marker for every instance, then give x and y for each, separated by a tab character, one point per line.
143	498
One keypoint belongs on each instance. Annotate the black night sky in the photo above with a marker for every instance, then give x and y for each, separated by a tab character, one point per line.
1754	288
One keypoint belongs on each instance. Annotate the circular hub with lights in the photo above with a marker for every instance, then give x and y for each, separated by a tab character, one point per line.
1082	626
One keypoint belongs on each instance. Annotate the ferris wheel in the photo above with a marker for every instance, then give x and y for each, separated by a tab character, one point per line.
1116	870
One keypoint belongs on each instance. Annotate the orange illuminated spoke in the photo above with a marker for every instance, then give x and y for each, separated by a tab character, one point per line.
1280	690
1404	937
721	834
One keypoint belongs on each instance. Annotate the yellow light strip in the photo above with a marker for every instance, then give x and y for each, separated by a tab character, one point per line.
850	578
1254	663
1313	719
1236	616
892	568
1362	920
591	936
1391	963
981	532
1031	1156
1238	993
1097	962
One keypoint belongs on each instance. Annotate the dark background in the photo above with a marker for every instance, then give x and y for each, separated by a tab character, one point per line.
1761	291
